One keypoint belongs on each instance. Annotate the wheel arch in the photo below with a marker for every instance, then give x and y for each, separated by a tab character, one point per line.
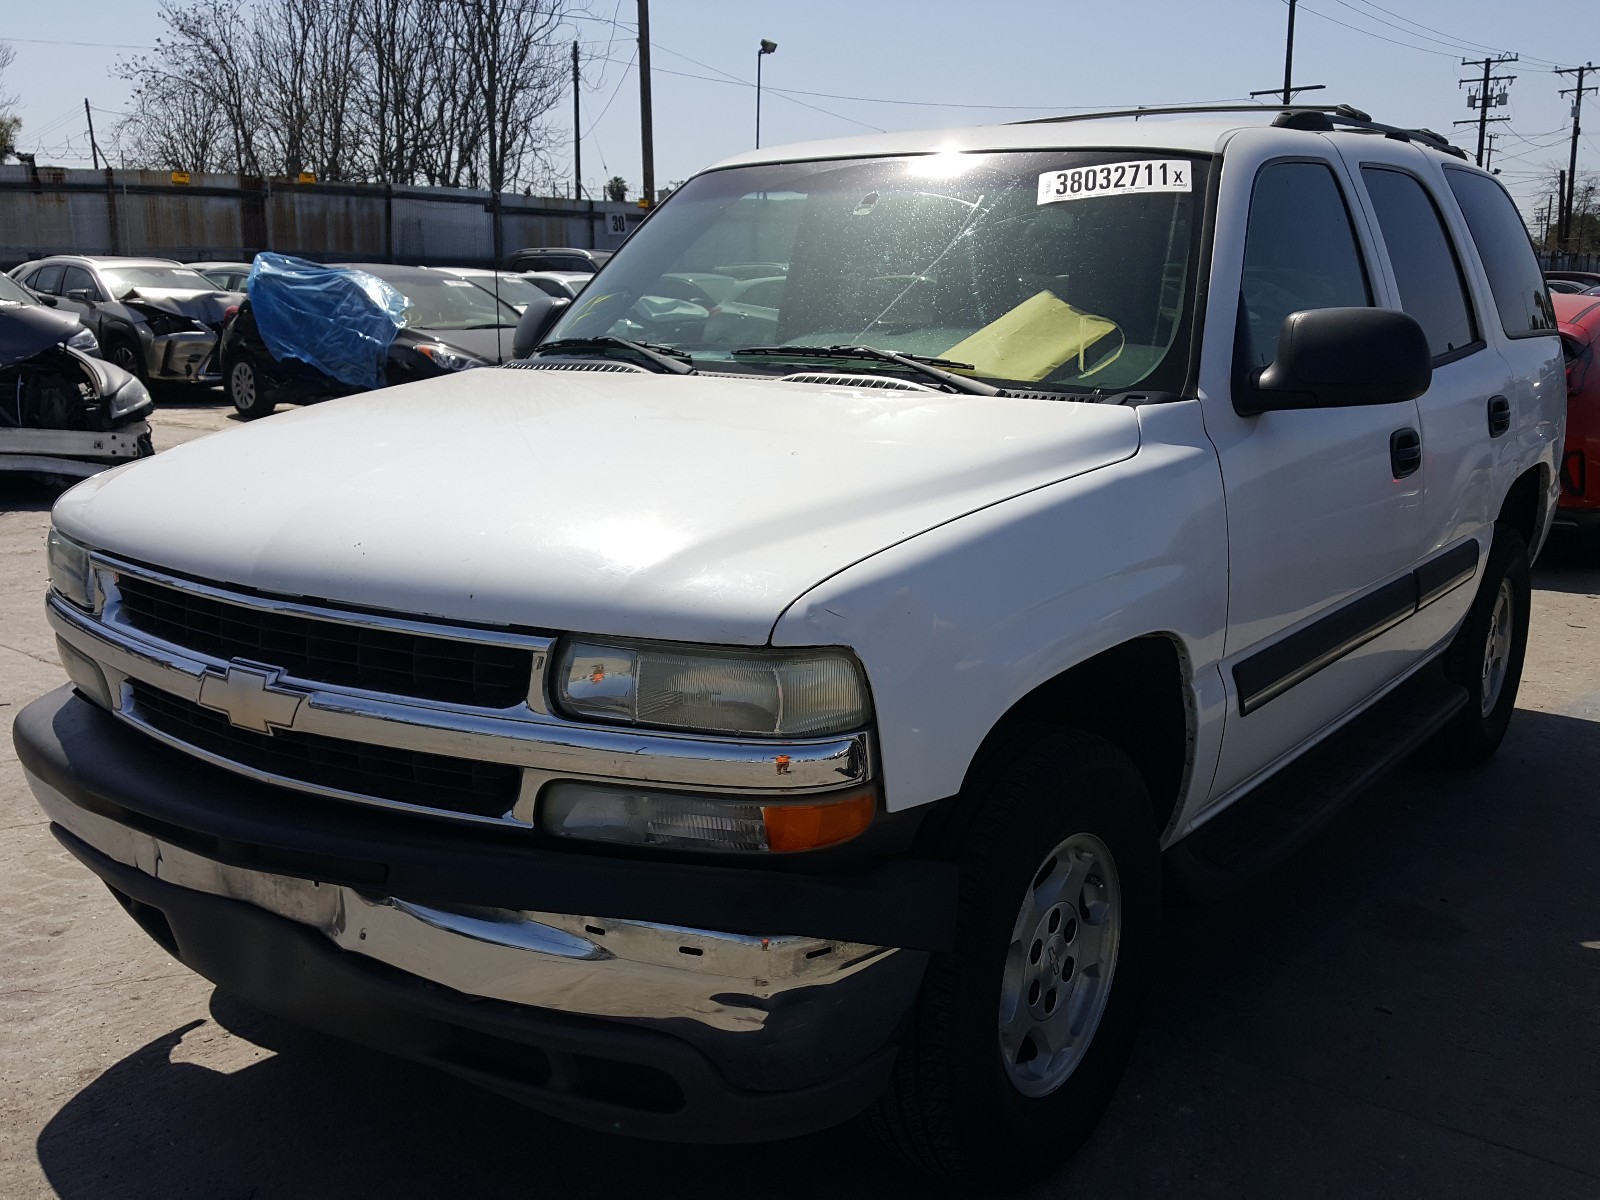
1526	505
1137	696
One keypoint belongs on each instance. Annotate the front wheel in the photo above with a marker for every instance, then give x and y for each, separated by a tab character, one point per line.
1022	1031
124	352
248	390
1486	656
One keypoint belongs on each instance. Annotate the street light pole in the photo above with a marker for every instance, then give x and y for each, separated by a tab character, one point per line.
766	49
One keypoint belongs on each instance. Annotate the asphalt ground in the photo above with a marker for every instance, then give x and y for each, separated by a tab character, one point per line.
1407	1009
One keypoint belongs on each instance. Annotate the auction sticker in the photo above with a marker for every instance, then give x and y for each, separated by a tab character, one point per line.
1115	179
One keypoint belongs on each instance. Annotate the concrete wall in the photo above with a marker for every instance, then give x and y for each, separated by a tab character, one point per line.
229	217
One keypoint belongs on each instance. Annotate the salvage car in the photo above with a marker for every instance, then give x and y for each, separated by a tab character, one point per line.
154	317
63	412
451	324
14	294
226	276
517	290
568	259
712	741
1580	457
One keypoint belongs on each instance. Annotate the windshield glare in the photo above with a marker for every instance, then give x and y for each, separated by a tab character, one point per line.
1061	270
125	279
451	304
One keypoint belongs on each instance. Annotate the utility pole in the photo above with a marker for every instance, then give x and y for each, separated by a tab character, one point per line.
1288	90
577	138
1288	58
766	48
1488	154
1576	93
1544	236
93	149
1486	98
646	128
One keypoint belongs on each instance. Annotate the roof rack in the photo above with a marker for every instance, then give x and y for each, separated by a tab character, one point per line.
1321	118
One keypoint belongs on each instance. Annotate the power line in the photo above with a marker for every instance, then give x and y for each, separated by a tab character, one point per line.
95	45
621	79
1430	29
1379	36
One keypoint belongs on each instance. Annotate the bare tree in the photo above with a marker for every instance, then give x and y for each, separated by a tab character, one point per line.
10	122
439	91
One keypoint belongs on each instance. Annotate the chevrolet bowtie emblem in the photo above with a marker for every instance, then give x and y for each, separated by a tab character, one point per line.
249	694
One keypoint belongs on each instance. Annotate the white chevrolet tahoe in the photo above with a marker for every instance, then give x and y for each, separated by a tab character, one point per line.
764	704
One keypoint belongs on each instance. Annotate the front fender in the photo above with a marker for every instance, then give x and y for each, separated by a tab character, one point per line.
956	625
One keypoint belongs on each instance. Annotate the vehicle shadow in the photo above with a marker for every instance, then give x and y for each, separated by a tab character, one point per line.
1568	563
31	493
1404	1009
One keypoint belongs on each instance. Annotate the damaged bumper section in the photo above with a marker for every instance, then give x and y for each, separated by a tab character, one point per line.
604	991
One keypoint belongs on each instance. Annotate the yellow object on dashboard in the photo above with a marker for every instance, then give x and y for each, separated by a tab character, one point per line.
1033	339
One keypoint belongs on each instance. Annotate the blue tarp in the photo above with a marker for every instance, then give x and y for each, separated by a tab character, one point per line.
338	320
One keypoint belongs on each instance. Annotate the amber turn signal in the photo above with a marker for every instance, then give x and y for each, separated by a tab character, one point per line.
812	826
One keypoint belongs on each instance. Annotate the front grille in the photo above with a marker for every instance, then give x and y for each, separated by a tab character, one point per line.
377	660
437	781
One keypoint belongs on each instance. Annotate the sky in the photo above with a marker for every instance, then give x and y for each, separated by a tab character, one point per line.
859	66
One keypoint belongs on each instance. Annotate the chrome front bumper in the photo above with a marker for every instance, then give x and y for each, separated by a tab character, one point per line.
770	1013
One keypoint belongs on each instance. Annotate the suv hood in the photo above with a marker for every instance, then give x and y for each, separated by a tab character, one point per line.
677	507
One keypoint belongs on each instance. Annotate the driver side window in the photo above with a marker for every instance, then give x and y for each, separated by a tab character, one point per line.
1300	252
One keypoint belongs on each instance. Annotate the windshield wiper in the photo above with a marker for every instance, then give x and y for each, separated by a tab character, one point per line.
667	360
920	364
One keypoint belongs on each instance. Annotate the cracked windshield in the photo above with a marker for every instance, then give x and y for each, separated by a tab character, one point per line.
1058	271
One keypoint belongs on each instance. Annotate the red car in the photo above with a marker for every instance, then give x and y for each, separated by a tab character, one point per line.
1579	318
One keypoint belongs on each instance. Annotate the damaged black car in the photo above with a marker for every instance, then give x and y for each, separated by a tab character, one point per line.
63	412
154	317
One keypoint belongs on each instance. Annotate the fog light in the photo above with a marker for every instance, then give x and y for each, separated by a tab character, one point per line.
681	821
86	673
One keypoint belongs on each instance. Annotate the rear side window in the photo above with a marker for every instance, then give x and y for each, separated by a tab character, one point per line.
1300	252
1425	264
47	279
1507	253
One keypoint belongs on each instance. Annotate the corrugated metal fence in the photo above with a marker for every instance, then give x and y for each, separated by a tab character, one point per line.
53	210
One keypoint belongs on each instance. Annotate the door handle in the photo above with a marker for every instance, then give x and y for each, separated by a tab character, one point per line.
1405	452
1499	415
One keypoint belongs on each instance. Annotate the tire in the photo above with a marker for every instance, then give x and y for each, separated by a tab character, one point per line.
1486	657
248	390
122	351
1044	807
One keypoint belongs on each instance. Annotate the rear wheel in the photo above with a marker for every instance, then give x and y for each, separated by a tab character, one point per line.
1022	1031
248	390
1486	656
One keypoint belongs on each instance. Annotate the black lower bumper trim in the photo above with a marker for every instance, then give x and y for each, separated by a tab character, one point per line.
587	1071
104	766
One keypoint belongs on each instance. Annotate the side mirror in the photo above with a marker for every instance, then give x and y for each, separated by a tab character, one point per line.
1341	358
81	295
46	299
535	322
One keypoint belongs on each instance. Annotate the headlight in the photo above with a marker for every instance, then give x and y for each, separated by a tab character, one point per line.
447	359
128	399
770	693
70	574
84	342
641	817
